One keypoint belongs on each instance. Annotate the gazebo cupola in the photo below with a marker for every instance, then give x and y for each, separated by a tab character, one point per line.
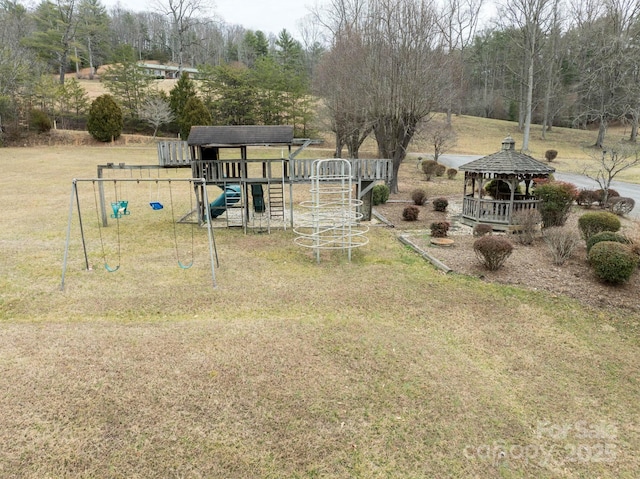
493	186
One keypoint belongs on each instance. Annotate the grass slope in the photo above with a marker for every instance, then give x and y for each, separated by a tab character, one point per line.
382	367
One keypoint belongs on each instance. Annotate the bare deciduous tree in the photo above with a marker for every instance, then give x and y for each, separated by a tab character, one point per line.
400	66
405	62
183	14
532	18
157	112
340	79
608	163
458	21
440	136
607	57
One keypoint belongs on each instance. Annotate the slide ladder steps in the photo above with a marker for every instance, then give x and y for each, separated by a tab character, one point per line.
276	201
233	218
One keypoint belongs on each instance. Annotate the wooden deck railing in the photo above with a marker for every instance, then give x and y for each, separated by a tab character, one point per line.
294	170
364	169
174	154
488	210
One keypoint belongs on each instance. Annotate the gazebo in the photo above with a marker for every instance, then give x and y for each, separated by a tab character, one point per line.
503	172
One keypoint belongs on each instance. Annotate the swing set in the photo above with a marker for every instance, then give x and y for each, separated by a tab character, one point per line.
120	209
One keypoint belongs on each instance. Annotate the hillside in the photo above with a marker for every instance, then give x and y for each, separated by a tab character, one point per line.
478	136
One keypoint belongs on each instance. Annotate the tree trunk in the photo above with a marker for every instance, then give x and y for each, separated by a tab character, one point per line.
90	51
529	100
602	130
338	151
529	107
393	135
634	127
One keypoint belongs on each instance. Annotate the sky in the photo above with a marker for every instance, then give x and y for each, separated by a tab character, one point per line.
270	16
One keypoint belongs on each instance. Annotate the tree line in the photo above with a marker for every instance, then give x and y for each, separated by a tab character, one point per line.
244	76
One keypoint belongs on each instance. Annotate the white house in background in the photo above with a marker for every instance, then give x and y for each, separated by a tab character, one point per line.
167	71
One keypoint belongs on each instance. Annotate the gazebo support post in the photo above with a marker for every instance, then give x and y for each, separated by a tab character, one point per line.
514	185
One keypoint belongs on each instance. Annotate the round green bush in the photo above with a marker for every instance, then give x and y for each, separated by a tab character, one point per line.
556	200
606	236
380	194
612	262
105	120
597	221
39	121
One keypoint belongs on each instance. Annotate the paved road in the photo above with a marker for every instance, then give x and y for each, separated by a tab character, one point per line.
628	190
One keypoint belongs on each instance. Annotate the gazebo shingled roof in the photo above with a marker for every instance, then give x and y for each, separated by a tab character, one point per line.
508	161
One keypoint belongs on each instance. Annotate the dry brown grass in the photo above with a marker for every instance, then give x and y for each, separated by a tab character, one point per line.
381	367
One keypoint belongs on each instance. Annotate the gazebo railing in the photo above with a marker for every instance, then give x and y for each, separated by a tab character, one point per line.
488	210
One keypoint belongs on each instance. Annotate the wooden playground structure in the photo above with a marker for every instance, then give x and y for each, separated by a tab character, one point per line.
255	188
262	186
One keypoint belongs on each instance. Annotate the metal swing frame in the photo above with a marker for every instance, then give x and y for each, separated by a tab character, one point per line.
76	199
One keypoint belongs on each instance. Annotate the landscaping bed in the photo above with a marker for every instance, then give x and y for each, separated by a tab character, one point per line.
528	266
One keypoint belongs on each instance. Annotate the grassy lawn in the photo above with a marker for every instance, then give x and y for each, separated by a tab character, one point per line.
382	367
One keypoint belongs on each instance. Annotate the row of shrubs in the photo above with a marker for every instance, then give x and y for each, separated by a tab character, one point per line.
432	168
411	213
613	256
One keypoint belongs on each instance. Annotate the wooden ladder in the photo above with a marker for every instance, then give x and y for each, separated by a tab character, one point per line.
231	211
276	200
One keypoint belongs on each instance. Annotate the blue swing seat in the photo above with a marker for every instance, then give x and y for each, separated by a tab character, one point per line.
156	205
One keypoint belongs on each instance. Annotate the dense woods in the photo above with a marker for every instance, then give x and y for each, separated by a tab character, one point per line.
380	67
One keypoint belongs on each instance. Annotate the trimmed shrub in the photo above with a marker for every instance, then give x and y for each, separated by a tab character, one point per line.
562	242
557	198
440	204
439	229
550	155
612	194
612	262
620	205
451	173
587	198
482	229
492	251
39	121
597	221
429	168
527	224
440	169
606	236
418	197
380	194
105	121
410	213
